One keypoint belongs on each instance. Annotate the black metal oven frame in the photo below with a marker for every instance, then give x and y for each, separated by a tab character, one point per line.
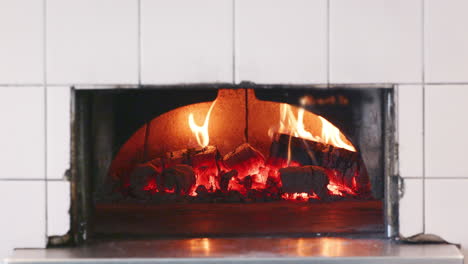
81	196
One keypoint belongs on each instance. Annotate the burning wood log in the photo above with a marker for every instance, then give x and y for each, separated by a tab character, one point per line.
245	159
180	178
143	175
205	165
347	166
307	179
204	162
204	157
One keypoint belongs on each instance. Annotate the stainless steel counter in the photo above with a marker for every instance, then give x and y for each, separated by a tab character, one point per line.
245	250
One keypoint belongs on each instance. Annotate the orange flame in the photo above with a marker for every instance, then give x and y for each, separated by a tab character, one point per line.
201	132
331	135
293	126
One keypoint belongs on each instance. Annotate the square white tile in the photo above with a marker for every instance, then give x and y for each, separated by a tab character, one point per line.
22	137
446	41
281	41
410	130
92	41
446	213
58	207
375	41
22	224
186	41
411	208
21	45
58	131
446	128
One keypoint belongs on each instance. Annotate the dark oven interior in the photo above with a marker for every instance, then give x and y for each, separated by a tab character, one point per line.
247	160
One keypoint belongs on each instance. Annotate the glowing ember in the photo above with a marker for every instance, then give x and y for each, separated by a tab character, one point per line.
265	181
299	196
151	186
334	189
246	175
201	132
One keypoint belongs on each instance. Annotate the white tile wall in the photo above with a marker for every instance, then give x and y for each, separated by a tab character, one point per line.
92	42
58	206
58	131
273	41
375	41
446	209
410	130
23	133
22	223
446	40
21	45
446	129
186	41
411	208
281	41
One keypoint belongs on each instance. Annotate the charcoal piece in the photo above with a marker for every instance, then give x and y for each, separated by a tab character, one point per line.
247	182
202	193
204	162
307	179
201	190
205	165
234	197
273	185
205	157
245	159
201	157
180	178
256	195
225	178
143	175
349	167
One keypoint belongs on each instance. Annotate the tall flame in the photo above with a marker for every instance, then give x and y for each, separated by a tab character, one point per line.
293	126
201	132
331	135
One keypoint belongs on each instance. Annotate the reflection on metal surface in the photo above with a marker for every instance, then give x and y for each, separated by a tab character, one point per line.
245	250
331	247
300	247
200	246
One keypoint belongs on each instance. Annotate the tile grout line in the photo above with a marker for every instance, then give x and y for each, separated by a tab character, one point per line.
32	180
423	77
139	40
45	119
134	85
234	46
328	43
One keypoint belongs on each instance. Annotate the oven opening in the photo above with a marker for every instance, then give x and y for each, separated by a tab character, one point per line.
247	160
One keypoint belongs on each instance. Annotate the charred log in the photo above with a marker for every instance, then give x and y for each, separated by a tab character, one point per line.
203	157
345	167
143	175
180	178
307	179
245	159
204	162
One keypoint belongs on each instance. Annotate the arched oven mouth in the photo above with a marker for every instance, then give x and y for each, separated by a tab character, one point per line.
224	160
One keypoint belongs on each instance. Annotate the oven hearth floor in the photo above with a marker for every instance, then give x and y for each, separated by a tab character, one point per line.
282	218
245	250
